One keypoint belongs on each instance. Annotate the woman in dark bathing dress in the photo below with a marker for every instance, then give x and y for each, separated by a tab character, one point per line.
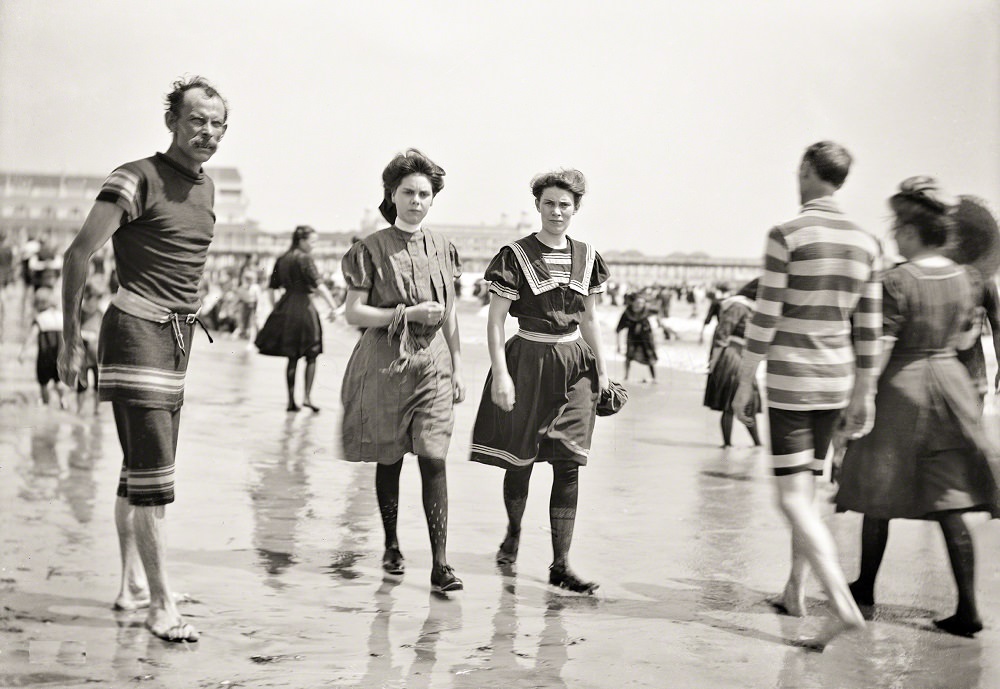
927	456
293	329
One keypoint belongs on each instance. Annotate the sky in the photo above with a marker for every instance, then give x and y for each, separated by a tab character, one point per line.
688	117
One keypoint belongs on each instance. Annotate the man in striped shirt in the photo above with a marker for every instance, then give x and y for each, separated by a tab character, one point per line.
817	322
158	213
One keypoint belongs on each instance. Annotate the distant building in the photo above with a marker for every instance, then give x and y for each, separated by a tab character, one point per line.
55	207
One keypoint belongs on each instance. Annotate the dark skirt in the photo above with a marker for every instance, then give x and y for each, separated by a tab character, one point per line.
641	352
927	451
556	393
292	329
724	378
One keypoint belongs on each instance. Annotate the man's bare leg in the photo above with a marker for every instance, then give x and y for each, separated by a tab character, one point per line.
163	619
793	598
134	591
816	545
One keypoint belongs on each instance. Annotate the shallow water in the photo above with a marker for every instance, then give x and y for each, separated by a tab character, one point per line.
279	543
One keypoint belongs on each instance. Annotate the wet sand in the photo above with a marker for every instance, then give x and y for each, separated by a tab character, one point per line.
279	543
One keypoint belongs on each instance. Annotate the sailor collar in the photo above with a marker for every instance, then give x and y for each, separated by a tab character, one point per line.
528	252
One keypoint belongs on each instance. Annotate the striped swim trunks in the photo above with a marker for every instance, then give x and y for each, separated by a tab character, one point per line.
143	356
800	440
149	446
140	362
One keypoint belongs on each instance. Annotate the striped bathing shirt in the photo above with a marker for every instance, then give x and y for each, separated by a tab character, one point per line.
819	308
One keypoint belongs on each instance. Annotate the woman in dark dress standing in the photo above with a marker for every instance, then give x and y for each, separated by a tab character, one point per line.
727	353
927	456
293	329
540	400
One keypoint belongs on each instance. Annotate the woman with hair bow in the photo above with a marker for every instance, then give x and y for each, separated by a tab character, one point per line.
404	375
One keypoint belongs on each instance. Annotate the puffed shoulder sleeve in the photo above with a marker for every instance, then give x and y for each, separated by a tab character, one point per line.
358	267
599	275
895	309
504	275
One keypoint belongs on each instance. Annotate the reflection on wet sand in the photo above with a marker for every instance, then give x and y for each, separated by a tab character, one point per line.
503	666
278	498
355	523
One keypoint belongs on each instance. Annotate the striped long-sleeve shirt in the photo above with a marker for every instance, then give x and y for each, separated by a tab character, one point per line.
818	316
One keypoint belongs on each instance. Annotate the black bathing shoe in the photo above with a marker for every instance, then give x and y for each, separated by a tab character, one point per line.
393	563
563	578
444	580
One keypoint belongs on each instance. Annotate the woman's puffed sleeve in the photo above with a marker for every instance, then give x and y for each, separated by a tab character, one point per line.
358	267
895	310
504	275
599	276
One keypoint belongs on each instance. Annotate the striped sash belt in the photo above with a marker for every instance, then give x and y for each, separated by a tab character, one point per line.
548	338
137	305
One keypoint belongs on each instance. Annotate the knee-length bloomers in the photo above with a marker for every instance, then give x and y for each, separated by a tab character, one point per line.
553	369
927	451
388	413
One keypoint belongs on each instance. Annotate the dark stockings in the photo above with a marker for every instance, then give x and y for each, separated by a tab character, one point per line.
435	494
387	492
562	510
963	565
310	377
961	554
874	536
515	497
727	430
435	498
290	382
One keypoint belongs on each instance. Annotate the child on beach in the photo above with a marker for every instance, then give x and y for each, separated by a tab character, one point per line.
46	331
639	344
90	331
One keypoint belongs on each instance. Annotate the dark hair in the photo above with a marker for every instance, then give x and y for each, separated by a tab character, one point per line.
175	98
749	290
934	223
300	233
410	162
830	160
569	180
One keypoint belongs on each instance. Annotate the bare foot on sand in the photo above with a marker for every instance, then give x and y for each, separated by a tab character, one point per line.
830	631
791	603
170	628
135	600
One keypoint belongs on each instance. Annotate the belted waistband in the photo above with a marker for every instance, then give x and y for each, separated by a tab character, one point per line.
548	338
139	306
916	354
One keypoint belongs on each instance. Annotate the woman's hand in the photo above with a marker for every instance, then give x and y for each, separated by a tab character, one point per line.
603	382
458	386
70	362
502	391
426	312
741	404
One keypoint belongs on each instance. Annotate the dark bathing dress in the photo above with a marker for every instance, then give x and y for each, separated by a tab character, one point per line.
639	345
388	414
927	451
293	329
553	368
728	340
